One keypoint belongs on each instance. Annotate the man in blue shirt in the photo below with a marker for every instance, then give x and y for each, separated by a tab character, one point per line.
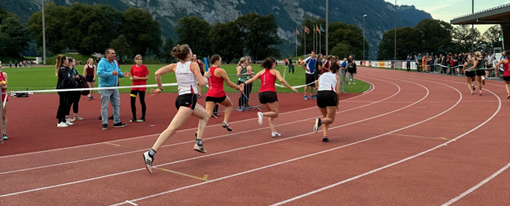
408	63
108	73
309	65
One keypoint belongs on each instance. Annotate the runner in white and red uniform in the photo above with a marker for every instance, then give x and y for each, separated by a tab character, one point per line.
267	92
216	95
187	74
3	85
327	99
506	74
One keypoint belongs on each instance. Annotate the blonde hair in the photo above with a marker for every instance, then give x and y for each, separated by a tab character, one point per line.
248	60
89	60
60	62
478	54
470	59
138	56
242	60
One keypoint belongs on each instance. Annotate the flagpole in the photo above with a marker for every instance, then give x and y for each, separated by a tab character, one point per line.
296	43
304	34
320	42
313	39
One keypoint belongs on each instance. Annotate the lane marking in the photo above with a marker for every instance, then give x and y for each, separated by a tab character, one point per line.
180	143
132	203
116	145
476	186
407	135
184	130
218	153
398	162
204	178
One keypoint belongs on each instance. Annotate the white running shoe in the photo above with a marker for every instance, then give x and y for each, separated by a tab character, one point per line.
261	116
148	161
276	134
199	148
62	124
318	123
68	123
78	118
69	119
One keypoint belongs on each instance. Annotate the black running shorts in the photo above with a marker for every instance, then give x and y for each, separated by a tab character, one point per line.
506	78
480	73
470	74
186	100
326	99
267	97
215	99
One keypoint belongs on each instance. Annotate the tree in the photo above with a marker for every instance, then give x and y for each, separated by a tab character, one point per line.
221	36
194	32
122	48
56	18
408	43
493	35
435	35
350	35
167	50
259	34
14	36
142	32
341	50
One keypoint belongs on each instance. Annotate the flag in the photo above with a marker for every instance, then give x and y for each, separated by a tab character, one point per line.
297	32
322	29
317	28
307	30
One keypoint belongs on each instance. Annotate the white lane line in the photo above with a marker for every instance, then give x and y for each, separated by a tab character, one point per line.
302	157
192	141
132	203
214	154
372	88
476	186
394	163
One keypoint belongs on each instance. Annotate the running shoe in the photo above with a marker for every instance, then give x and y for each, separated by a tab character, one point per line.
69	119
240	109
120	124
62	124
313	96
132	120
68	123
199	148
261	116
199	96
306	97
92	97
508	96
276	134
105	127
140	120
480	92
226	126
473	87
325	139
471	92
78	118
318	123
148	161
4	137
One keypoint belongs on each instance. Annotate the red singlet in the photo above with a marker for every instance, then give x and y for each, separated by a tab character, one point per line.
2	78
267	81
507	69
215	85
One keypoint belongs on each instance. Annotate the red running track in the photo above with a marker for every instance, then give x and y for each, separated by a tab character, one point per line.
414	139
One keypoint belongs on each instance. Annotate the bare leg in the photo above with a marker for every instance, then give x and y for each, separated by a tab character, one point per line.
228	108
330	118
469	84
479	78
275	111
202	114
182	116
4	118
507	85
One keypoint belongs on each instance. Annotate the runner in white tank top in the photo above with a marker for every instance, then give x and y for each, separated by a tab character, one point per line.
327	99
186	80
187	73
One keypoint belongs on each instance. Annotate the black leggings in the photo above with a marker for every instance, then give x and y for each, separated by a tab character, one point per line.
142	102
63	106
74	100
243	102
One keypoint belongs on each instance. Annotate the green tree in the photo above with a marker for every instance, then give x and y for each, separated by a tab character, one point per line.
259	34
142	32
14	36
221	36
194	32
341	50
408	43
55	25
492	35
167	50
122	48
350	35
435	35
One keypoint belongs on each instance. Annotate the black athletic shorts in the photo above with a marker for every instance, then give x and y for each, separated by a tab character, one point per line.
480	73
506	78
215	99
89	78
186	100
470	74
326	99
310	78
267	97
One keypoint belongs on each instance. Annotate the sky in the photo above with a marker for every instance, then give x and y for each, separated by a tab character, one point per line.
447	10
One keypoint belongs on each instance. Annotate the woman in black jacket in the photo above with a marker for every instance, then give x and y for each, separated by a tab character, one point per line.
65	81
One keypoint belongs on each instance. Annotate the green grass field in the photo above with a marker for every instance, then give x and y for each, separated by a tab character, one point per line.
40	78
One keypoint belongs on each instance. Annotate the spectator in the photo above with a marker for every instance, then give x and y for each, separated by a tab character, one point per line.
75	96
351	69
109	72
343	69
64	81
490	63
309	75
139	75
291	66
408	65
3	85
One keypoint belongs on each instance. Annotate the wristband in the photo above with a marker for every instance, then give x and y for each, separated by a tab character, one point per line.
160	89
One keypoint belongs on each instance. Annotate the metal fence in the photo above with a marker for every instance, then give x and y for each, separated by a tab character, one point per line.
239	100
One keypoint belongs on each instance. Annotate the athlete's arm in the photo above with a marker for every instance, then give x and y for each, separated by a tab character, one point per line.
239	68
249	71
280	78
254	78
4	86
224	75
84	71
337	90
163	70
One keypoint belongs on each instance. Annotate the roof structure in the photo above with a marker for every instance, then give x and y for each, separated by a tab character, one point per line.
496	15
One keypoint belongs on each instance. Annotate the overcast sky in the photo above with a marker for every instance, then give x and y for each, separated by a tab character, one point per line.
447	10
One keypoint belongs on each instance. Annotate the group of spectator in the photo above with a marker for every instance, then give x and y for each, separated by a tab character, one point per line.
24	63
453	64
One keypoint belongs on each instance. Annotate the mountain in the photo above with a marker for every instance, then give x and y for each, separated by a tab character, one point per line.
289	14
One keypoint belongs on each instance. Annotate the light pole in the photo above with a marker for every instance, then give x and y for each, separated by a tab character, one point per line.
43	35
327	27
472	30
395	34
364	36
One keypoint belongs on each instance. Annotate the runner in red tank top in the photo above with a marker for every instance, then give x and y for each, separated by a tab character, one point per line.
267	92
506	74
216	95
3	85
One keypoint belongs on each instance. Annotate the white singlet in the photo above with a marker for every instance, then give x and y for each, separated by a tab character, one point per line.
327	82
186	80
